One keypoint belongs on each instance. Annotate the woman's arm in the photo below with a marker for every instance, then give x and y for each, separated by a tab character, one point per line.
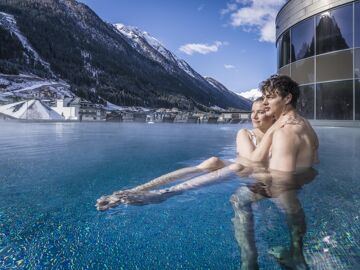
244	145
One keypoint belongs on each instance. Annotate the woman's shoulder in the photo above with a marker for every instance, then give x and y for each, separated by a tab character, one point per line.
245	131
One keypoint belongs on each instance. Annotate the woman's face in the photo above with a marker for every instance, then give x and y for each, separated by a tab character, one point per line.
259	117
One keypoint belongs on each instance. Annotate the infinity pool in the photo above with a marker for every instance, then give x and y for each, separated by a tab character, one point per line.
51	175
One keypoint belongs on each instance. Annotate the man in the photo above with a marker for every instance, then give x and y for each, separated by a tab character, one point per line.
294	142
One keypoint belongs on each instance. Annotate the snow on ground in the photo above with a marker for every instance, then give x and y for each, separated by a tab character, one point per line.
31	87
217	108
30	110
28	86
112	107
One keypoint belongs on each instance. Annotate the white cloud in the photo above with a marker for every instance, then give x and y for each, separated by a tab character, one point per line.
256	15
201	48
230	7
201	7
228	66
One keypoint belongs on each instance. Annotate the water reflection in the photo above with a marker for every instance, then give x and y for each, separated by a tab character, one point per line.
282	189
334	30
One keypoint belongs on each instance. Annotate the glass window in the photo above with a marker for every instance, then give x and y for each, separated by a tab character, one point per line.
357	63
357	24
302	40
302	71
334	100
334	29
334	66
305	104
357	99
284	50
278	42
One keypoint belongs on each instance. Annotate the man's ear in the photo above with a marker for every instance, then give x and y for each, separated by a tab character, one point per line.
288	98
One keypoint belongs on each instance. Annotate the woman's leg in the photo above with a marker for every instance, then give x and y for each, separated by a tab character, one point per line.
211	164
244	227
156	196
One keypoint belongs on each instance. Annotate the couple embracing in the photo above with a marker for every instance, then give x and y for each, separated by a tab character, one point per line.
277	153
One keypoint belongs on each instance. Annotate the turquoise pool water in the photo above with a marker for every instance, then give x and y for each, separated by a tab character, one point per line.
51	175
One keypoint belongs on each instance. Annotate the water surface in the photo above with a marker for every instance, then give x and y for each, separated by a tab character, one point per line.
52	173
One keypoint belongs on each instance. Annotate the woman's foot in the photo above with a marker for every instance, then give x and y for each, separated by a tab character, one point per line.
133	198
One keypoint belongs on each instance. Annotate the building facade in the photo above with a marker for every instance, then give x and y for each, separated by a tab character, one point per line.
318	45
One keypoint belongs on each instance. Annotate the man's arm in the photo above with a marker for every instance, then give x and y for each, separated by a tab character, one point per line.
285	146
261	152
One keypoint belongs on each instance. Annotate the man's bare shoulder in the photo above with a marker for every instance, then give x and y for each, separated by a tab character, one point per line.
288	133
296	126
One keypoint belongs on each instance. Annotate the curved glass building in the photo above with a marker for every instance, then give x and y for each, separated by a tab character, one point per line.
318	45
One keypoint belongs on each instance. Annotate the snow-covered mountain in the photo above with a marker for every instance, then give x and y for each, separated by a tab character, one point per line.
152	48
251	94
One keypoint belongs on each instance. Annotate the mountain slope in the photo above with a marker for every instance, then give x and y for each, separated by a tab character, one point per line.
245	102
69	41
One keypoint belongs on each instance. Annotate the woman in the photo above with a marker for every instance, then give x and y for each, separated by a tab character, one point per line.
246	147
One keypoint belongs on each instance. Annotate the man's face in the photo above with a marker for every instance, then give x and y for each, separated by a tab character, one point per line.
274	104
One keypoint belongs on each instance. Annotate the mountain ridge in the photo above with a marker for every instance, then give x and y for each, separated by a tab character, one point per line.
96	60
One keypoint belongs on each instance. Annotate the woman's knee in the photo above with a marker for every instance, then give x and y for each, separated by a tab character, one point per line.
211	163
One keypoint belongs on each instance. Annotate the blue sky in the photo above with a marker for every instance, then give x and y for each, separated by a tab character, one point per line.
231	41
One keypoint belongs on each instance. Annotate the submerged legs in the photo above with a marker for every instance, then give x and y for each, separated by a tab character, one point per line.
244	226
292	257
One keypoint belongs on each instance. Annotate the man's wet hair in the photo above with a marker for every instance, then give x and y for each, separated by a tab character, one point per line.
282	85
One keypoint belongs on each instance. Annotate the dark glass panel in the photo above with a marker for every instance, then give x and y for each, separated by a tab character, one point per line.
357	99
302	40
278	47
334	100
285	70
334	29
357	63
305	104
357	24
302	71
334	66
284	49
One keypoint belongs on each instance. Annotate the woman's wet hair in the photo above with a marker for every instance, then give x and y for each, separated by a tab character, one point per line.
282	85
